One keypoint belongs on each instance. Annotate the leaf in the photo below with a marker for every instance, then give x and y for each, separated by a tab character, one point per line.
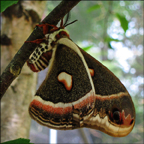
110	46
6	4
18	141
109	39
123	21
94	7
87	48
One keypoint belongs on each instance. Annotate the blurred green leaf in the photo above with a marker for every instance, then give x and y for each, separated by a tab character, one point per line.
87	48
109	39
109	45
18	141
123	21
6	4
94	7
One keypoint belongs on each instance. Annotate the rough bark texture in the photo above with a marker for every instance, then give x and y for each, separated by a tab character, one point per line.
18	22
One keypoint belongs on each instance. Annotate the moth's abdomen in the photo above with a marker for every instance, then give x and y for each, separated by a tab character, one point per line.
39	59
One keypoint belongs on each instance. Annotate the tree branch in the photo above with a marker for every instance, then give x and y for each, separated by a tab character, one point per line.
15	66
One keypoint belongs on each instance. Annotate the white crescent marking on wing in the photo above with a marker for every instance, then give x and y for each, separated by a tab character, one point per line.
66	79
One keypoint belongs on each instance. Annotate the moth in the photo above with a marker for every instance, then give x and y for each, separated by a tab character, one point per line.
78	90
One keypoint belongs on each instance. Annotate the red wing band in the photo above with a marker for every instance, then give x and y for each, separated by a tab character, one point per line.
62	115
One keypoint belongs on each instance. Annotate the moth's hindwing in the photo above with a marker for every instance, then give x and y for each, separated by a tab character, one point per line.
114	111
80	92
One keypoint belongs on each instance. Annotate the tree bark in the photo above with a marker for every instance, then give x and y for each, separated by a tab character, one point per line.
18	22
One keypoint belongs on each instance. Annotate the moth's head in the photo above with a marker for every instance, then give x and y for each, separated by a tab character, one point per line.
61	32
121	115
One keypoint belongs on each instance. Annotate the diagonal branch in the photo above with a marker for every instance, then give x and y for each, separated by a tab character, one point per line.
15	66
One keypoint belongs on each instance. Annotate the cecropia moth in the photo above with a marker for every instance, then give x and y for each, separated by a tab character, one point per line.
78	90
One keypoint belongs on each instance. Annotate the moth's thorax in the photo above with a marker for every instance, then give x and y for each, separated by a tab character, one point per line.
56	35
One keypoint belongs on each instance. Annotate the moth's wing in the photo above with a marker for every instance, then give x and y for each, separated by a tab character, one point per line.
66	97
114	111
40	58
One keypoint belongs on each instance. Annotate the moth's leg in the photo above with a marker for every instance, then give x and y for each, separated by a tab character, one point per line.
45	27
61	24
55	27
37	41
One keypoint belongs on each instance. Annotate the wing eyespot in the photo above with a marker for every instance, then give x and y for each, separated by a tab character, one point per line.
116	115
